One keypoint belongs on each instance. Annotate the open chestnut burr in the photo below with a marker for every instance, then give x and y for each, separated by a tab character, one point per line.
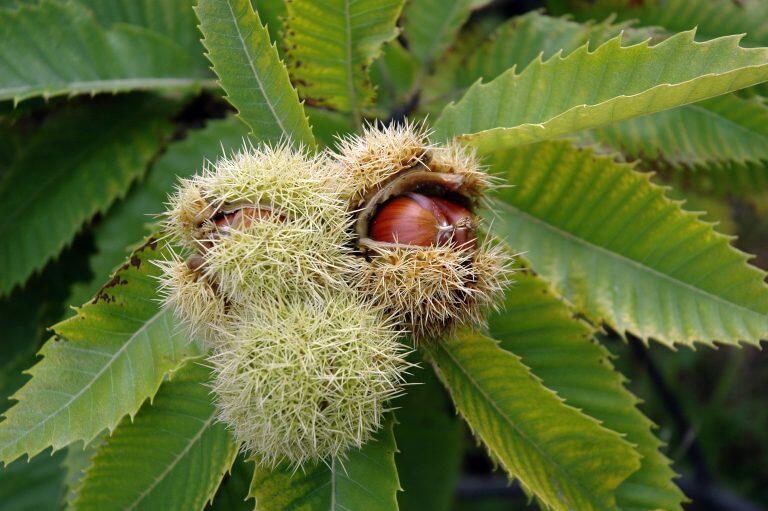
424	257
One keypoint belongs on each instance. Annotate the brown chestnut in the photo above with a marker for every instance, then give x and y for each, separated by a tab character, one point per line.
241	217
421	220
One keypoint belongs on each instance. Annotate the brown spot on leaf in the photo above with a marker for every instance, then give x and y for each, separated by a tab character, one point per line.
102	295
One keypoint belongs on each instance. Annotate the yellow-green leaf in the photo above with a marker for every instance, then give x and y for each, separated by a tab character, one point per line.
331	44
590	89
102	364
171	456
251	72
563	457
539	328
613	244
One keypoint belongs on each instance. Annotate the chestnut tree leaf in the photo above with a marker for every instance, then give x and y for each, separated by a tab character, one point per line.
28	485
588	89
76	462
55	48
727	179
394	76
100	366
273	13
174	449
725	129
331	45
613	244
563	457
558	348
516	42
251	72
365	479
74	166
712	17
722	129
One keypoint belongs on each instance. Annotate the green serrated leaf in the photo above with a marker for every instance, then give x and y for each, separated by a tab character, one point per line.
563	457
102	364
33	485
540	329
712	17
365	479
80	56
717	131
430	445
82	159
175	450
430	26
613	244
251	73
331	44
611	84
127	222
517	42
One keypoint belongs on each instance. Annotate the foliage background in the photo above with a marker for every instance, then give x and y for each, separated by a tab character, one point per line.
711	404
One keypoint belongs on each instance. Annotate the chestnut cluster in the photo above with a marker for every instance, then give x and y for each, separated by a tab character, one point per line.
302	366
304	274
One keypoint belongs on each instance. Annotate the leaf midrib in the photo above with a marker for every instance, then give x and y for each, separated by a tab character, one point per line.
192	441
96	376
586	491
267	99
625	259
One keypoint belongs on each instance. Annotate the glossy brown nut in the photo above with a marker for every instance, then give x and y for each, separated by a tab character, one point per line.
420	220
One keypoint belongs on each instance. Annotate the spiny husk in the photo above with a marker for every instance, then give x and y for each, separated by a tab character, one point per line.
193	298
187	211
305	379
289	182
429	290
274	257
432	290
298	245
380	153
